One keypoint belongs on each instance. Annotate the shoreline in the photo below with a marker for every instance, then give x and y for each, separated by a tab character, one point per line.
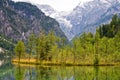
49	63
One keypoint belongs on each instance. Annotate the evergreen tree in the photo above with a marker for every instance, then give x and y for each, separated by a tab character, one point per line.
50	43
97	38
31	45
41	42
19	49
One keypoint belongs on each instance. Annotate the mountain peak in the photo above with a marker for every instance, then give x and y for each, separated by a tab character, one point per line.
87	16
47	9
107	1
82	3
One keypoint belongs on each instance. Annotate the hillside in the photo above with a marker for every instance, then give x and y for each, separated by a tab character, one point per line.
18	20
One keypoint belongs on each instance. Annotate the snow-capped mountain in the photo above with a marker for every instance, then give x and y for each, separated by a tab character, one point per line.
85	17
65	24
47	9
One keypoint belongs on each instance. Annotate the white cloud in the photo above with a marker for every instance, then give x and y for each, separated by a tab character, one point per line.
60	5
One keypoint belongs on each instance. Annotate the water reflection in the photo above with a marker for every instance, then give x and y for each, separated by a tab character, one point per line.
6	72
61	73
96	69
19	73
43	73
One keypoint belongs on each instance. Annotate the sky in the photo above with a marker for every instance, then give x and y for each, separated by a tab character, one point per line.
59	5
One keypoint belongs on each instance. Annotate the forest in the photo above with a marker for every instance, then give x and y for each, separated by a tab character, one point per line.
100	48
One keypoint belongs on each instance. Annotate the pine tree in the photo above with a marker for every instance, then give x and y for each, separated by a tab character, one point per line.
97	38
19	49
51	41
31	45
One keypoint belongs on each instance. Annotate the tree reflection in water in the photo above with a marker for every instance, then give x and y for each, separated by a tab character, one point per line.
60	73
19	73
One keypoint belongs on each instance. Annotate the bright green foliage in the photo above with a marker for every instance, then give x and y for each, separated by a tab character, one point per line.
99	48
97	39
45	46
51	45
41	44
31	45
19	73
117	47
20	49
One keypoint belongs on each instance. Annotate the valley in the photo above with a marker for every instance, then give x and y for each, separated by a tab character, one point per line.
38	42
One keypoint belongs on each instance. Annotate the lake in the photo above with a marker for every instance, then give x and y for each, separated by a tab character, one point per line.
33	72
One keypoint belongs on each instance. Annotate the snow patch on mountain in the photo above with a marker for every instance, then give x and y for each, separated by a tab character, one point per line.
85	17
65	24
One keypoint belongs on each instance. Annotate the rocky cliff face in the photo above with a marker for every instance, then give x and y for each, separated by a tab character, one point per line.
18	20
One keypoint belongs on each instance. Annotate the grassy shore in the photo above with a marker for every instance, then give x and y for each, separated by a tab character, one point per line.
53	63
